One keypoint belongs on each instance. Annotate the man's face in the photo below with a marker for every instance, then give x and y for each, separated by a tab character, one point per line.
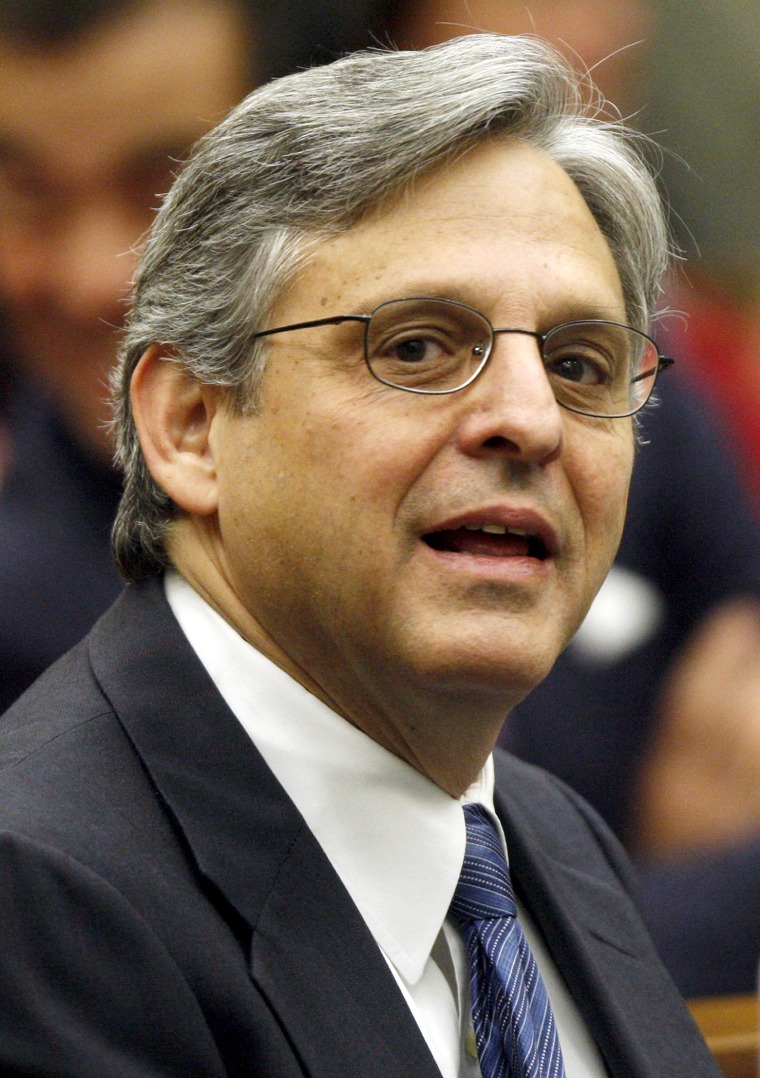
87	132
348	511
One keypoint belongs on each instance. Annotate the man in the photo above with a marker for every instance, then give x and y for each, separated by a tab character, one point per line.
99	99
360	525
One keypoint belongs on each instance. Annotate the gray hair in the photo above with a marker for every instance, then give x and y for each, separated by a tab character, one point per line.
310	154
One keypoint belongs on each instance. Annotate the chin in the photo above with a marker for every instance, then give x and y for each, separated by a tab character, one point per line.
472	669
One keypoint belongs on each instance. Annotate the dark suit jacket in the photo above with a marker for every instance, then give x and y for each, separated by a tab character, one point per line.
166	911
57	506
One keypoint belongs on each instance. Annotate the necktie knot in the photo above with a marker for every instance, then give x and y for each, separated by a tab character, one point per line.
484	890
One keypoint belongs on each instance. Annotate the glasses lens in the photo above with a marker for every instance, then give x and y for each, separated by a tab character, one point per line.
426	345
600	368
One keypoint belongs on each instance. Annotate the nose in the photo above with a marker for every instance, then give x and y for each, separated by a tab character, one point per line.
510	409
91	266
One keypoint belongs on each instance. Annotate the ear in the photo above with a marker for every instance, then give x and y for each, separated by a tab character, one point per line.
173	414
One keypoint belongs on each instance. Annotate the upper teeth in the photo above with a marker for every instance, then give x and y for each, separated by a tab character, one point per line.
494	529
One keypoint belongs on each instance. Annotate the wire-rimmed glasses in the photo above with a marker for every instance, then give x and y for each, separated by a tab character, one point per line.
435	346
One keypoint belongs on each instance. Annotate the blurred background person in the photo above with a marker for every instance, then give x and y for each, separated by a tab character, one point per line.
99	99
653	713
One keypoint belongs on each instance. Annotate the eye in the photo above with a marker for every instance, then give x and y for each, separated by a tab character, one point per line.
584	354
426	345
583	368
415	350
26	198
418	358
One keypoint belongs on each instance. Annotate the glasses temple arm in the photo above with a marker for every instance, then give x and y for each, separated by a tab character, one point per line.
663	362
335	321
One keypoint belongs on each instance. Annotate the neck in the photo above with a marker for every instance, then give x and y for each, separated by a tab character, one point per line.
445	733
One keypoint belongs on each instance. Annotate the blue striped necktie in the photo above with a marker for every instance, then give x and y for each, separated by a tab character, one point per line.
514	1024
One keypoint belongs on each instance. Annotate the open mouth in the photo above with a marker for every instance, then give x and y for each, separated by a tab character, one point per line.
489	541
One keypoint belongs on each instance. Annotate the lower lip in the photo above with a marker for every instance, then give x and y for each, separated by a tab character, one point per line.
508	569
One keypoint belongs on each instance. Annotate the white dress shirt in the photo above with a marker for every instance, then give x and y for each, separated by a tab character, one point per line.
395	838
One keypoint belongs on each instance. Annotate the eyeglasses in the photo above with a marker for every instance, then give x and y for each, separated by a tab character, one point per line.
436	346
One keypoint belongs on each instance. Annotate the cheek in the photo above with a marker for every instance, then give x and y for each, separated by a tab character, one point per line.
370	451
19	268
604	481
328	469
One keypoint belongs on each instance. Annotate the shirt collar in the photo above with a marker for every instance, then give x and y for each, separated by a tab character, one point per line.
395	838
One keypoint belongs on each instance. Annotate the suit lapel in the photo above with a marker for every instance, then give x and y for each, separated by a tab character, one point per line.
312	955
335	979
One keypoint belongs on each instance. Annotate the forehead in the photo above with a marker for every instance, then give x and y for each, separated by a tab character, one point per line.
156	77
503	227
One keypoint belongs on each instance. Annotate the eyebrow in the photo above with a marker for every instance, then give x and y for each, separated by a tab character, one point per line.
569	309
421	290
132	159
